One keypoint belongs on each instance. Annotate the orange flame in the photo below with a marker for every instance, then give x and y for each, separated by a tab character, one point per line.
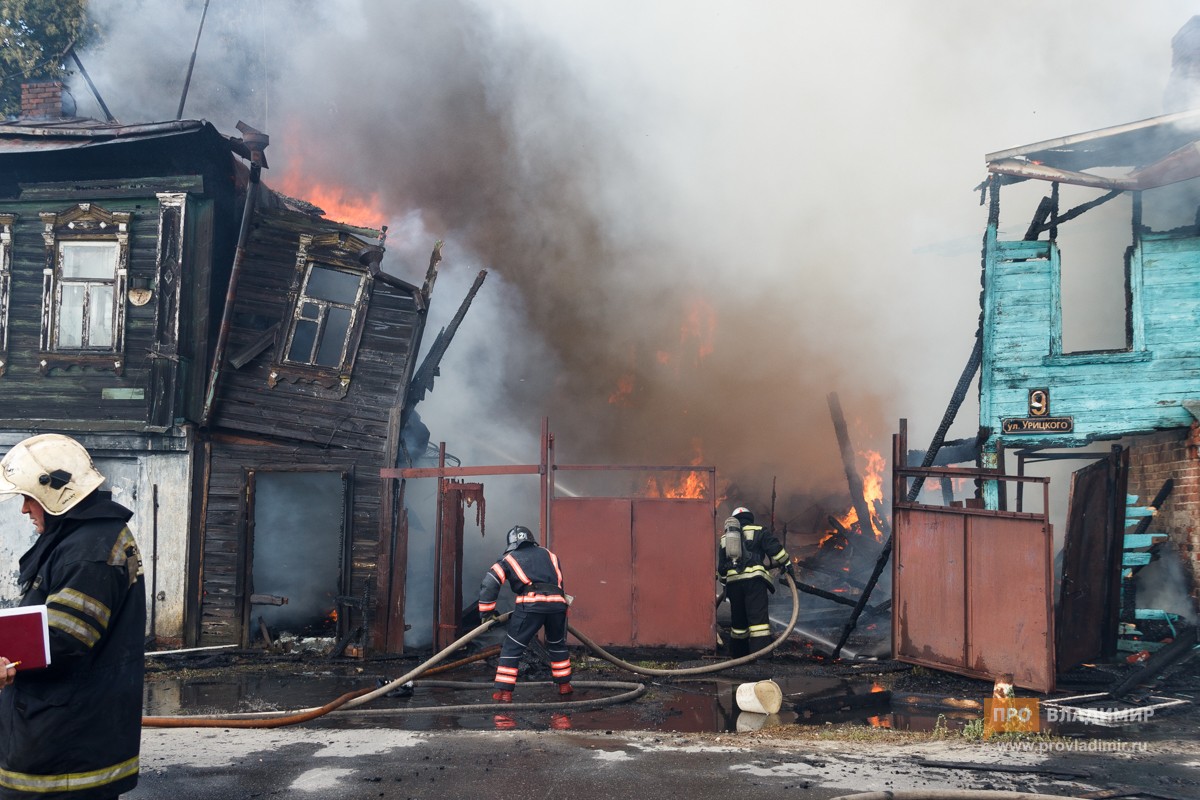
338	203
691	485
872	489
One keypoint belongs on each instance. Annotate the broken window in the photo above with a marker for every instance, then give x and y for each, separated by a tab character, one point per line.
83	288
323	322
326	311
6	225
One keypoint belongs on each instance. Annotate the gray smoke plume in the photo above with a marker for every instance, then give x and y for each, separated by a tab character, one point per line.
700	217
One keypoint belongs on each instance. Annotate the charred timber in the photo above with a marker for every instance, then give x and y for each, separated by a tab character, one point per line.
852	476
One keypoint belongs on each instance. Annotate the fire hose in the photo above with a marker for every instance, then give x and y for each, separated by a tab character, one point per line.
717	667
350	700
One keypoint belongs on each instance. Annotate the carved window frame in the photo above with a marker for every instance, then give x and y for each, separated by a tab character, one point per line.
332	251
83	222
6	232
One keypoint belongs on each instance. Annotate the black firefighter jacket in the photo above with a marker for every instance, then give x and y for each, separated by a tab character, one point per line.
759	545
535	577
73	730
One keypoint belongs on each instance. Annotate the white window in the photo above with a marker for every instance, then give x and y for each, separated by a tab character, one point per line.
85	306
323	325
83	287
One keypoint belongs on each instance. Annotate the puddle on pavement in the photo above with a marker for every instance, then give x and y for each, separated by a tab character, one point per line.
694	706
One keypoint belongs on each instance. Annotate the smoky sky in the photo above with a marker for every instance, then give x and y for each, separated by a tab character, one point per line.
699	218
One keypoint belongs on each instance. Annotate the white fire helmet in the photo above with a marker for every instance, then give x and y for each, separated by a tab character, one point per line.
743	513
53	470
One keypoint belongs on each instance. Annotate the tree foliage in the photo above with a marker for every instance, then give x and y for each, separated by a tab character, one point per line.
34	39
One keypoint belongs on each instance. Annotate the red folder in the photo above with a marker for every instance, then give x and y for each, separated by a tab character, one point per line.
25	636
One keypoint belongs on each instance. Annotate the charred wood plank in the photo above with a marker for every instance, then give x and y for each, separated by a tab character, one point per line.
852	477
1160	661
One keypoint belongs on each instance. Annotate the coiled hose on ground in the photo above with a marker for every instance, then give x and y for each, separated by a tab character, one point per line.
360	697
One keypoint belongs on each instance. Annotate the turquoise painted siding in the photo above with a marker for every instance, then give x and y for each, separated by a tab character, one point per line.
1108	394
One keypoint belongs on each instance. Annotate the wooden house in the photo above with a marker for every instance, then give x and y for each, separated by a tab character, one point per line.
237	363
1132	411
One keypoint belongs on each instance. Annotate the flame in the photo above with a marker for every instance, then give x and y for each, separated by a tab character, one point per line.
691	485
872	489
339	204
332	616
879	722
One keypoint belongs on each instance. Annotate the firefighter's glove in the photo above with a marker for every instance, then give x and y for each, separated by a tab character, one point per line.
487	616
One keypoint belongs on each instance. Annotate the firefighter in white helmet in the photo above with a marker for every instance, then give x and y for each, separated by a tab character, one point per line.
742	556
73	728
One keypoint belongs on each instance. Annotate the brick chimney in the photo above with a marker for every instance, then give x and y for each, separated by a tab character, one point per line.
42	100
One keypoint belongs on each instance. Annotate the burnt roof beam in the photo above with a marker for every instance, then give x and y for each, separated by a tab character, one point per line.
1179	165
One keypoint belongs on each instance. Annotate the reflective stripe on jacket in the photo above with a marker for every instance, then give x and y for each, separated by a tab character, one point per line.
73	729
535	577
760	546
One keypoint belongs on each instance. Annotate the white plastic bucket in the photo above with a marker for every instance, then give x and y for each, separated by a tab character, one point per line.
763	697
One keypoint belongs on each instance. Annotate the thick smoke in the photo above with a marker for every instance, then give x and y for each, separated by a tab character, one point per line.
701	217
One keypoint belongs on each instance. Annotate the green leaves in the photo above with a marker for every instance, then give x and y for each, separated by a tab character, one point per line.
34	38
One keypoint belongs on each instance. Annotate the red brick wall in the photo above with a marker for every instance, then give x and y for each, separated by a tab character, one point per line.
1152	460
41	100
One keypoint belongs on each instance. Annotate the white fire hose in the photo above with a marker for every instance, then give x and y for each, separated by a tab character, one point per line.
352	700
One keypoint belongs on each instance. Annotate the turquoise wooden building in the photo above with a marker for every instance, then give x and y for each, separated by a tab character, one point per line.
1032	392
1136	407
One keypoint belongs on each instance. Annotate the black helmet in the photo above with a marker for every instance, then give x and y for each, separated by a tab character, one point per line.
743	514
518	536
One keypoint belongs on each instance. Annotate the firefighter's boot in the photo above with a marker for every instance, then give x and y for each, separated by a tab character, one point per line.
564	689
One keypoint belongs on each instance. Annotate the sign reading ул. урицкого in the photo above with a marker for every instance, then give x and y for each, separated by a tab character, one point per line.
1038	424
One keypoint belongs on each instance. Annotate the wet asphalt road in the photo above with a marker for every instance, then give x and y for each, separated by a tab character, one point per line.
298	761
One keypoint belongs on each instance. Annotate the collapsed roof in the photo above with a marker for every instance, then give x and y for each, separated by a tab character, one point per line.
1158	151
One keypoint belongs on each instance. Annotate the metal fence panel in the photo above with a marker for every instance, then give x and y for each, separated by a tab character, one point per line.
593	537
973	594
674	573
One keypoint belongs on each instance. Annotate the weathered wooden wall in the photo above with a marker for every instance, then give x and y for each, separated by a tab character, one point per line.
1108	394
357	417
76	393
299	422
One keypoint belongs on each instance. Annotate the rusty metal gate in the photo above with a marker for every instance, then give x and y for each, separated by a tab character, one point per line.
641	570
973	591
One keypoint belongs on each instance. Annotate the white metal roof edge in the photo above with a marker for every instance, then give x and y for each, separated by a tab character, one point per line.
1077	138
